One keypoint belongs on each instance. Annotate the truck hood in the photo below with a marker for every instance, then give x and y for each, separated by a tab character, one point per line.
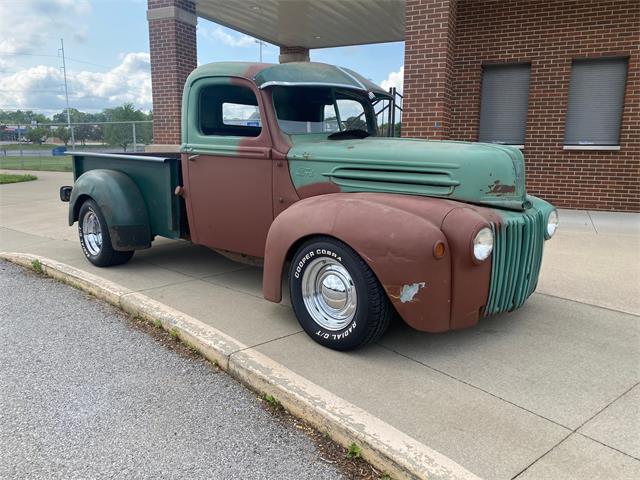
470	172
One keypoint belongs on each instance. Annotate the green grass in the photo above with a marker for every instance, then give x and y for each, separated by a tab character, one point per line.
9	178
37	266
51	164
354	451
28	146
272	401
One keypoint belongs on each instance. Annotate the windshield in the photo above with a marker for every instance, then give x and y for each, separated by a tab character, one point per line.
304	110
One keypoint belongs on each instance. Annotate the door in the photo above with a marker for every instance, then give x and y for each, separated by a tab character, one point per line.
227	167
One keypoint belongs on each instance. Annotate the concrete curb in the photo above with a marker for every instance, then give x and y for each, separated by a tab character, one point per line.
384	446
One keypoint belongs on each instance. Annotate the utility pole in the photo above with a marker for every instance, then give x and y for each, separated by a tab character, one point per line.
261	43
66	94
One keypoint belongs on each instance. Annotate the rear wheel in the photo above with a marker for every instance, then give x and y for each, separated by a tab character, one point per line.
95	239
335	295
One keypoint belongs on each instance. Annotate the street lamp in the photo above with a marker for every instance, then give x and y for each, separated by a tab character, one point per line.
261	43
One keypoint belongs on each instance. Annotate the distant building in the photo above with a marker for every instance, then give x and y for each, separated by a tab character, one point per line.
12	133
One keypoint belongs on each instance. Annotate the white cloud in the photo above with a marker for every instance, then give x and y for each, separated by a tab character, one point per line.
230	40
395	79
128	82
29	26
42	87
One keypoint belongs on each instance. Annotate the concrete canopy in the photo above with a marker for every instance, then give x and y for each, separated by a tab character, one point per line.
310	23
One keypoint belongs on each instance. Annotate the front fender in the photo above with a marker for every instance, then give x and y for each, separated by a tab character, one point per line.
121	203
394	234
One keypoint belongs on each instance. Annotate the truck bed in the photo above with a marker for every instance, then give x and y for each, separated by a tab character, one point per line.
155	175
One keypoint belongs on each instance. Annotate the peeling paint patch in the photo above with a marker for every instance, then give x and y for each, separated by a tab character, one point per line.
498	188
409	291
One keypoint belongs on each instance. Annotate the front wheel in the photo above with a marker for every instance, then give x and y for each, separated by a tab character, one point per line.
335	295
94	237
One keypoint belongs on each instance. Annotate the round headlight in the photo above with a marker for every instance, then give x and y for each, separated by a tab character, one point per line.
552	224
483	244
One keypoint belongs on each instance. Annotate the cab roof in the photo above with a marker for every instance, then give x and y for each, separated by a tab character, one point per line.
265	75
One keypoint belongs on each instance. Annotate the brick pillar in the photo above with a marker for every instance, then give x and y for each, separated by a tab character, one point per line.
430	40
173	49
293	54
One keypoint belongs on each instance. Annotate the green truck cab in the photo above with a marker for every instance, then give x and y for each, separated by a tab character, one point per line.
283	165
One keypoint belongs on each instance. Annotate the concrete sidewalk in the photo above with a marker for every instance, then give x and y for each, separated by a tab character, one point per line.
549	391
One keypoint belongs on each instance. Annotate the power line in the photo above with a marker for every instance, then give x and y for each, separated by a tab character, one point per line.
35	90
55	56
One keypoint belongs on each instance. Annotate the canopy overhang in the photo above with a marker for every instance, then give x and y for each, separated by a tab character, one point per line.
310	23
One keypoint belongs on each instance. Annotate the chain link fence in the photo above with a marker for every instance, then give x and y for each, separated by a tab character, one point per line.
52	138
43	146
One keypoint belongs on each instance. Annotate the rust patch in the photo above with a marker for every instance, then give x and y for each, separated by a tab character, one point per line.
498	188
319	188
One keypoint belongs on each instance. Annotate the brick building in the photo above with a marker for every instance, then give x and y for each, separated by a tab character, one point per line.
558	78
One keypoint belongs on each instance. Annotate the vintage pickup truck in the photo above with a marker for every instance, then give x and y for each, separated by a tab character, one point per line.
283	164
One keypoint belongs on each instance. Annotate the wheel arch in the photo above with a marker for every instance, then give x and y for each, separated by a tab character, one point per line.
400	257
74	208
121	204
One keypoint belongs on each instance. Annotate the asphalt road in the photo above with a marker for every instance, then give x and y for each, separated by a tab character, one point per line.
85	395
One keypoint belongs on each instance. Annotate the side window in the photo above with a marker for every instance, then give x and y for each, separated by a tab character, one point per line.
330	119
228	110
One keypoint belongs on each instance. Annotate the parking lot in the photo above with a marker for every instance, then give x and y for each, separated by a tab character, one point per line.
549	391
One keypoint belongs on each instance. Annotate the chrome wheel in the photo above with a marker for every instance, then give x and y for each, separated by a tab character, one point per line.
92	233
329	293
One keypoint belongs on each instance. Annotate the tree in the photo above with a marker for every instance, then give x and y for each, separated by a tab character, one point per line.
355	123
62	116
122	134
21	117
37	134
63	134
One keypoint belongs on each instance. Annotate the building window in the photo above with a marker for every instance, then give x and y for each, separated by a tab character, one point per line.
596	96
229	110
504	102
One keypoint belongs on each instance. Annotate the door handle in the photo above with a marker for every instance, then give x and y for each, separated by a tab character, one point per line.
193	157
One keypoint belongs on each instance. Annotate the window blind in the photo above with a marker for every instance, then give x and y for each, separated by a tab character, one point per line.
596	96
504	103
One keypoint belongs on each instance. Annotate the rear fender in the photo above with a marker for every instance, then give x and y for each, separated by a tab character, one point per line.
396	242
121	204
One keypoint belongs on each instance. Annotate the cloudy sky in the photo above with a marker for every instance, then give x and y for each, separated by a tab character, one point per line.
107	50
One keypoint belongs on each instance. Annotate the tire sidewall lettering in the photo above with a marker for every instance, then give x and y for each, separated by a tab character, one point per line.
335	336
318	252
298	271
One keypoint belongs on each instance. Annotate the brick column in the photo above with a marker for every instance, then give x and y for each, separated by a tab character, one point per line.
293	54
430	40
173	49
